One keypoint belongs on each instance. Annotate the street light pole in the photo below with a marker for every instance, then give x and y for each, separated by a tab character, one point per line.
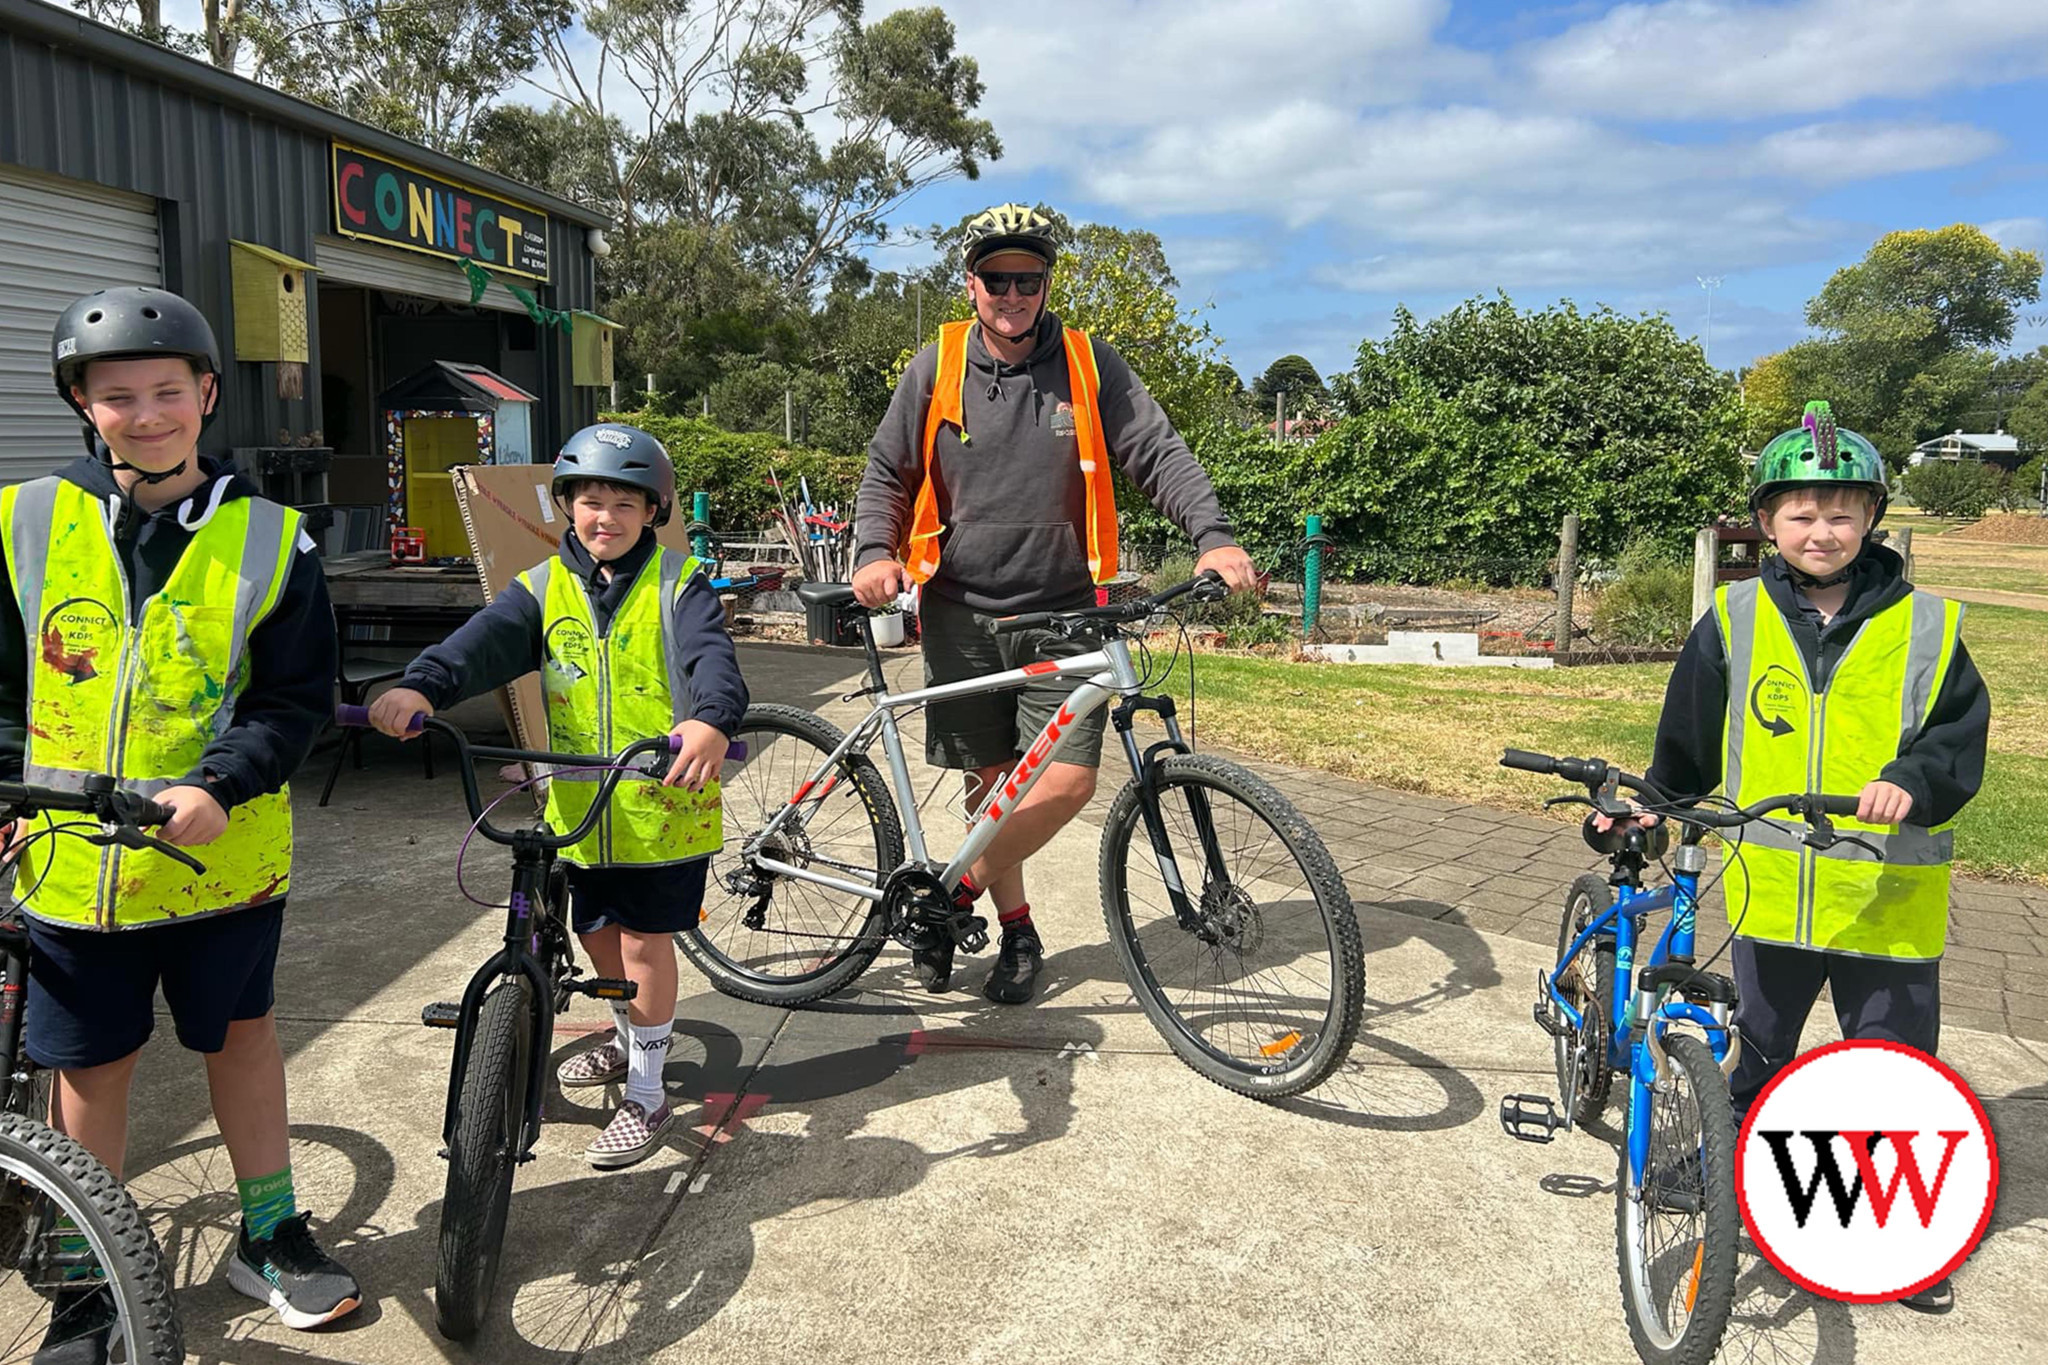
1709	283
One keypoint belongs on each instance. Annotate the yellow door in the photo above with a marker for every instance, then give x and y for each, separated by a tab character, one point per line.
433	446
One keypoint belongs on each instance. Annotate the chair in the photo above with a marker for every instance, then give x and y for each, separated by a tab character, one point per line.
360	673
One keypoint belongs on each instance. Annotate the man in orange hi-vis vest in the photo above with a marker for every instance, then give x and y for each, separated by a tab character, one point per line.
989	484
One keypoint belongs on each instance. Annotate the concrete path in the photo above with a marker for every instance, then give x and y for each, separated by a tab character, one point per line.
897	1177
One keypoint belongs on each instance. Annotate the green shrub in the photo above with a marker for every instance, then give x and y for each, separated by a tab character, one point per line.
1650	604
1952	488
733	467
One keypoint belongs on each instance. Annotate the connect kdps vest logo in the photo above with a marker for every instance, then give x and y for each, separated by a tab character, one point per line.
571	654
1866	1171
75	634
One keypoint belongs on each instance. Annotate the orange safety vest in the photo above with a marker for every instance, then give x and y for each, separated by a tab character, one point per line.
921	548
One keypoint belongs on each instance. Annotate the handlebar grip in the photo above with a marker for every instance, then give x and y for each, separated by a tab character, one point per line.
1525	761
359	716
150	813
736	751
1030	620
1835	805
1588	771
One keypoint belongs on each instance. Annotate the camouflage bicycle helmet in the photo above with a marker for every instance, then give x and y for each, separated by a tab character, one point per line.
616	453
134	322
1009	227
1817	453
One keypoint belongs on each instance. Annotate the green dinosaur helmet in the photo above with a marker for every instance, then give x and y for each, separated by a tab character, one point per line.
1818	453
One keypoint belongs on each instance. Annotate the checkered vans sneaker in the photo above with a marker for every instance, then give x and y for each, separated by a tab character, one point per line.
599	1066
631	1136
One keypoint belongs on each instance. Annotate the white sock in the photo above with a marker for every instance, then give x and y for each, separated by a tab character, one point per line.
644	1061
622	1023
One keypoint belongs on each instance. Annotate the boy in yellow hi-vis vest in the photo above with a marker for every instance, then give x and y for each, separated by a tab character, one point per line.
166	626
1829	673
631	643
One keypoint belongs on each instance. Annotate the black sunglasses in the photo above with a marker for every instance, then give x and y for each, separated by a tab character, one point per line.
998	282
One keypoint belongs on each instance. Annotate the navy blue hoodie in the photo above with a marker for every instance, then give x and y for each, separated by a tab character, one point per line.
292	651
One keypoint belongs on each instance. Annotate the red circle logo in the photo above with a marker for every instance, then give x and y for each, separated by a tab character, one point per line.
1866	1171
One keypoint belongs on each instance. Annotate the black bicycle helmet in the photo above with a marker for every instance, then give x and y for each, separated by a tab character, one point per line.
617	453
1008	227
130	323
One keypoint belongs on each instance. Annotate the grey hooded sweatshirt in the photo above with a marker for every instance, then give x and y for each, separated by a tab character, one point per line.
1012	498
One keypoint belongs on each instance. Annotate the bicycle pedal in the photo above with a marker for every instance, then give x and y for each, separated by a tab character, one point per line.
606	988
971	933
1530	1118
441	1014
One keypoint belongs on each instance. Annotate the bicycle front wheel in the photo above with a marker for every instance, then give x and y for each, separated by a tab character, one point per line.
482	1158
1261	992
769	937
77	1260
1676	1242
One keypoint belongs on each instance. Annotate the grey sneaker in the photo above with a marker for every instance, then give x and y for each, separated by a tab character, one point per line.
599	1066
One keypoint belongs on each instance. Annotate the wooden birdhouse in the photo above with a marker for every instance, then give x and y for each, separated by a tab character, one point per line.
270	305
590	341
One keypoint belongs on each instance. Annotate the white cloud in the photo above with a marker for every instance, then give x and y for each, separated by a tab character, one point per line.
2019	234
1067	79
1704	58
1838	153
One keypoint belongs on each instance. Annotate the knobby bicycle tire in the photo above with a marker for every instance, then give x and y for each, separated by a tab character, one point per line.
1295	1058
34	1154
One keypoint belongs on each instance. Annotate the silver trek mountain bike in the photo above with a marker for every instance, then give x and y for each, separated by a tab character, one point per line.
1229	919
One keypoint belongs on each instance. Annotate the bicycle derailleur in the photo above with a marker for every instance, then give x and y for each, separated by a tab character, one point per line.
921	910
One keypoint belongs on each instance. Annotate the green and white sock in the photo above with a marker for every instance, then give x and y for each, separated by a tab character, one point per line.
267	1200
80	1264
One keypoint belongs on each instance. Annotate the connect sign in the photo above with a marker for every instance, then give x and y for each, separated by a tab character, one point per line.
386	201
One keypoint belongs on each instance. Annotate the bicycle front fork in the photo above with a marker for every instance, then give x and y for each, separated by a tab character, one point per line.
1145	768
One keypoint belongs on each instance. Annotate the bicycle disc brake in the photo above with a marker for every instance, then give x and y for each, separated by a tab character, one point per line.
920	908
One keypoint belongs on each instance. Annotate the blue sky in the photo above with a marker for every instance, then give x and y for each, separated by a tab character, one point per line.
1310	165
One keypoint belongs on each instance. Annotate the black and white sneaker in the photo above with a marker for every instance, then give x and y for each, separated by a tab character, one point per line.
82	1325
289	1271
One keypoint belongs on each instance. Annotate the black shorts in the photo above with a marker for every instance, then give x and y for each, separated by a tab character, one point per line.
993	728
647	900
92	995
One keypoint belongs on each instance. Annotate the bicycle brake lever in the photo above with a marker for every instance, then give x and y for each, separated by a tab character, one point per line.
1569	801
128	836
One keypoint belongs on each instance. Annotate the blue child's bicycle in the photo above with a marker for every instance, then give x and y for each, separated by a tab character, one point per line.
1676	1220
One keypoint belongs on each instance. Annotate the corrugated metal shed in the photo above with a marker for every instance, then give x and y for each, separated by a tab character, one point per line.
228	159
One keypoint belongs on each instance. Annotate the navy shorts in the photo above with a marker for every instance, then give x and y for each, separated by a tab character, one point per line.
92	995
647	900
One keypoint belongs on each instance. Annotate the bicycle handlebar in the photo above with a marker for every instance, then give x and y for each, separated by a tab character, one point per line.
1594	774
1206	586
122	813
615	767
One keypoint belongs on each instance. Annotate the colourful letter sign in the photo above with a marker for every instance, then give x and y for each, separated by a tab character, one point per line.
381	200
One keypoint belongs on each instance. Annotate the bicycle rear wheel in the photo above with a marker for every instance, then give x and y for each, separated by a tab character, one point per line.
1589	985
1676	1244
766	936
482	1158
1262	995
103	1272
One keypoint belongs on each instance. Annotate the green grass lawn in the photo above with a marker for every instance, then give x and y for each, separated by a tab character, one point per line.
1441	730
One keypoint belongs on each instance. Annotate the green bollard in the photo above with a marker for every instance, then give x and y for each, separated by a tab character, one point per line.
700	515
1312	576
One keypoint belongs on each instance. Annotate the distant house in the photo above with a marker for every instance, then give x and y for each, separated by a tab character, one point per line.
1997	447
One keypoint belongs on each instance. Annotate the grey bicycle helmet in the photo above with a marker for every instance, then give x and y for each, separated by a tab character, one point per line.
130	323
617	453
